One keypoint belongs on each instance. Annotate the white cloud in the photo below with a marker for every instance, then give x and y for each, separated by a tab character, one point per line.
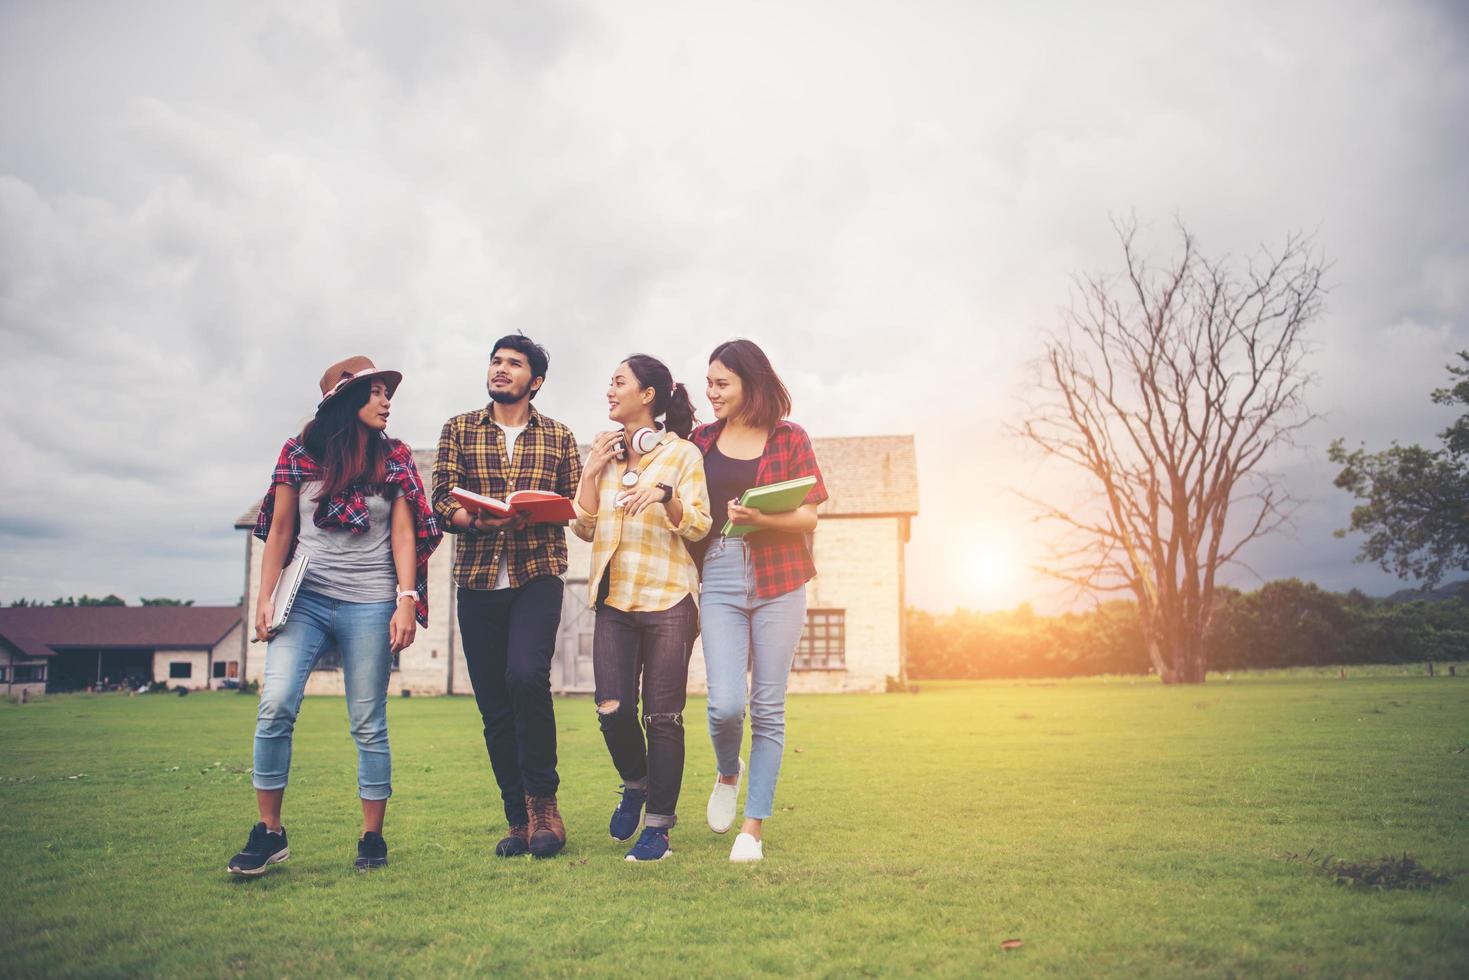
202	206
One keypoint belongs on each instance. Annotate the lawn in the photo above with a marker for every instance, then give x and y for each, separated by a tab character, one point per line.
1113	827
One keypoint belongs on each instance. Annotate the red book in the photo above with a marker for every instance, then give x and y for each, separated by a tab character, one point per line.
543	506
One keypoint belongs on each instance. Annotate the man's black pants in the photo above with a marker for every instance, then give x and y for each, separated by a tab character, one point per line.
509	639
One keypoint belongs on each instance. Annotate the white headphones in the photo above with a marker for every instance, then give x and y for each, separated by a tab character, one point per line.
644	440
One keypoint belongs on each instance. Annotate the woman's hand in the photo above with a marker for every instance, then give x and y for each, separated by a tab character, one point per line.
634	502
603	451
402	626
264	613
746	515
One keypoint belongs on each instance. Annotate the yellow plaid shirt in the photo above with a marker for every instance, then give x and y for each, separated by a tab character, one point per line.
648	565
472	456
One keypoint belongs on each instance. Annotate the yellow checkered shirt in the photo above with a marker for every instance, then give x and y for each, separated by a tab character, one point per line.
648	564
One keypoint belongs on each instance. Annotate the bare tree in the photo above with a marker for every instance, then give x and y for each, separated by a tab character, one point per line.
1168	387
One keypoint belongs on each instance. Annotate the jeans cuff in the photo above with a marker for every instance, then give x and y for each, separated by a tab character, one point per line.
660	821
374	793
641	784
280	784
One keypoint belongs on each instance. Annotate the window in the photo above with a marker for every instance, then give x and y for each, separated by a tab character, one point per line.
180	669
4	674
234	668
823	643
219	668
31	674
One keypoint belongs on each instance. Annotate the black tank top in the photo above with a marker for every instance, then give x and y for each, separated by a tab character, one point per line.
727	479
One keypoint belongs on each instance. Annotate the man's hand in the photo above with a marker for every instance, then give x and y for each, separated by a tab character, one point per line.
481	522
402	627
264	613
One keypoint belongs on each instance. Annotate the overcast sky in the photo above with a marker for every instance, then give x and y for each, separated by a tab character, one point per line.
203	205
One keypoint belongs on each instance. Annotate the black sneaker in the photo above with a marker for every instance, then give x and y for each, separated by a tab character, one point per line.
263	849
372	852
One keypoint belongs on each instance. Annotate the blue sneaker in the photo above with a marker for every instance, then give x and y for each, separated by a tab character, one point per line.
651	846
628	815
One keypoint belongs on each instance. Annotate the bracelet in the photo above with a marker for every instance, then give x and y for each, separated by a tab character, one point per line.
409	593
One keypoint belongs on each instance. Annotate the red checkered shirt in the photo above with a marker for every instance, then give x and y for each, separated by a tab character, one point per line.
348	509
782	559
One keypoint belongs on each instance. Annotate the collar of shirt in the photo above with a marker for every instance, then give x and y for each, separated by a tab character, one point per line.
486	417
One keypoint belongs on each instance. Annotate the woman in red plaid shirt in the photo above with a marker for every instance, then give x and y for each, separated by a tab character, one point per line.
350	498
752	599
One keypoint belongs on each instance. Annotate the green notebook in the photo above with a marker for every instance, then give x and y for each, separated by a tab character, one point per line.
773	498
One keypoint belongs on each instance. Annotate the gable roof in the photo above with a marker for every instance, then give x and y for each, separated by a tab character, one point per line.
42	631
865	476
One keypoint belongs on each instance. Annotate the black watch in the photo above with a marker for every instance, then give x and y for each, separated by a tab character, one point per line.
667	491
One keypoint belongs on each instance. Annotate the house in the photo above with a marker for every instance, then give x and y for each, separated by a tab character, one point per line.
853	640
72	648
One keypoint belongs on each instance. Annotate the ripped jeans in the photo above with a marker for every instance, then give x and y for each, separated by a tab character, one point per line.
651	649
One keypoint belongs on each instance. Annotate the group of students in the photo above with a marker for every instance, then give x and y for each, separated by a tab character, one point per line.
651	497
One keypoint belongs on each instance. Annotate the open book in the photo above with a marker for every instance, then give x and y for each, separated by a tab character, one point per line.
773	498
543	506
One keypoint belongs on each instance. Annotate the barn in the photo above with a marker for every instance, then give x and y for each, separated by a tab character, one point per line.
853	640
75	648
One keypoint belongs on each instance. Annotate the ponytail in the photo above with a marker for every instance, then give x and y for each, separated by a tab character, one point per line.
670	400
680	417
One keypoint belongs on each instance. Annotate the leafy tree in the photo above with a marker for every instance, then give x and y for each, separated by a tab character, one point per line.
1415	501
166	602
68	602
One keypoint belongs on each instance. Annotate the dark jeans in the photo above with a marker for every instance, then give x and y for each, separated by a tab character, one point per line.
509	639
654	648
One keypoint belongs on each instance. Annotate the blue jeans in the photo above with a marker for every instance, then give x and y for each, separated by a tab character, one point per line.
359	630
744	631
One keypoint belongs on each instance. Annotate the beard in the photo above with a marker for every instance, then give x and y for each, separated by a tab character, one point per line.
510	395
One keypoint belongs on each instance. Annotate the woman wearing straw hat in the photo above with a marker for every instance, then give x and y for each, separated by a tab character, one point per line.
350	498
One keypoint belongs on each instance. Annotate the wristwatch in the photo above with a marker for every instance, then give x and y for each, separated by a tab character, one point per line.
667	491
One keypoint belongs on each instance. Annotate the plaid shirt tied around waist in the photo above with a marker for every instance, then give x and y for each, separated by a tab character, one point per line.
472	456
782	560
348	510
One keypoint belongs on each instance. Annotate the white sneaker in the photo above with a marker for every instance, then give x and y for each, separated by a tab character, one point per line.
722	803
746	849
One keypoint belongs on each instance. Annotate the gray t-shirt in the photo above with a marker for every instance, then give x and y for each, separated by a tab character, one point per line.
347	566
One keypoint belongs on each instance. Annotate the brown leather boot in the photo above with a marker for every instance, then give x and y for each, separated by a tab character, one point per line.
515	843
547	832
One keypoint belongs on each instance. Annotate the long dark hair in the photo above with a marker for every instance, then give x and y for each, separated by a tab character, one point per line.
668	401
766	399
349	452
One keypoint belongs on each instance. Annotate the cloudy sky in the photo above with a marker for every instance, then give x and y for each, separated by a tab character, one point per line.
203	205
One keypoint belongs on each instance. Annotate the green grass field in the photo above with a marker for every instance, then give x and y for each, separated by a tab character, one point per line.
1114	827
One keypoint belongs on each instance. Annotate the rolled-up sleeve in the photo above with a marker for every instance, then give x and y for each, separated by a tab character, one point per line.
693	493
448	473
585	525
